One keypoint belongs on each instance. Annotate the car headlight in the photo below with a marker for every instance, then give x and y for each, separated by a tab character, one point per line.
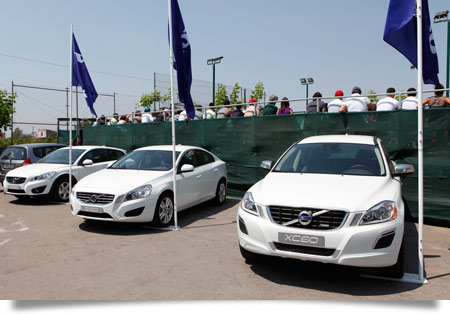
44	176
384	211
140	192
248	204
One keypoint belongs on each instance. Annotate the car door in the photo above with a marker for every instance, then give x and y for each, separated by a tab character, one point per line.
100	159
209	172
188	183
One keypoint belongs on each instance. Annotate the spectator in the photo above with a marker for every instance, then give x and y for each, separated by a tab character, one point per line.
177	114
137	117
388	103
270	108
238	111
183	116
198	113
123	119
158	117
101	120
410	102
438	100
357	103
337	103
115	119
147	116
225	112
210	113
251	109
312	105
284	107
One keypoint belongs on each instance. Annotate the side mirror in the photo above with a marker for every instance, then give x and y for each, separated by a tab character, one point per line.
266	164
187	168
403	170
88	162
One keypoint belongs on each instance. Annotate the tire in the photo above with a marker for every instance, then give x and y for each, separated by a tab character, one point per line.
250	257
164	210
221	192
396	270
61	191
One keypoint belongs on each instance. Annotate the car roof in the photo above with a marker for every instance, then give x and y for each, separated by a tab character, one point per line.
92	147
178	148
37	145
354	139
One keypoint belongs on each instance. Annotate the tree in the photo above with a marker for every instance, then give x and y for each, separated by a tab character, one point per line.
6	108
147	100
234	94
258	93
221	95
373	99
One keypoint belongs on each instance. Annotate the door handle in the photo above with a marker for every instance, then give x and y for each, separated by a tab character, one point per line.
199	176
216	169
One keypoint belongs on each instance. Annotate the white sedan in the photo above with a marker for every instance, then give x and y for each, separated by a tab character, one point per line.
50	175
139	187
332	199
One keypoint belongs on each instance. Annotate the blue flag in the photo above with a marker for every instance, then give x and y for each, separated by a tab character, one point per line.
80	76
401	33
182	55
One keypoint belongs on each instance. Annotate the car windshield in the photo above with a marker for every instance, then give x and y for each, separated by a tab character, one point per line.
14	153
333	158
158	160
61	156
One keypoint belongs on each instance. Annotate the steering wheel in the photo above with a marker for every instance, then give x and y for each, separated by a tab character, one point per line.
360	167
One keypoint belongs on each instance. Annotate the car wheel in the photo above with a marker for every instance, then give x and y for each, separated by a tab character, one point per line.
164	210
61	190
250	257
221	193
396	270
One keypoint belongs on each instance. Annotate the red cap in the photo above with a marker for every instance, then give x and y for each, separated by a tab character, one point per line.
339	93
252	100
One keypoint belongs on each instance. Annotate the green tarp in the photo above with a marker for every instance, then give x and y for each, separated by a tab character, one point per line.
244	142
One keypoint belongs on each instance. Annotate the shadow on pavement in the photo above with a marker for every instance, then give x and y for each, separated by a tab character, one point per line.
313	275
185	219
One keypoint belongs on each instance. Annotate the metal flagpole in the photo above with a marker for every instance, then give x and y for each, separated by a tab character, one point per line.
70	109
174	173
420	136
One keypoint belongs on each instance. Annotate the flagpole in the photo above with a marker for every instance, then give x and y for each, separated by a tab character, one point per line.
420	136
70	109
174	175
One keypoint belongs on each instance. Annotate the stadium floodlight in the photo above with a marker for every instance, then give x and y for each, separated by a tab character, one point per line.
213	62
306	81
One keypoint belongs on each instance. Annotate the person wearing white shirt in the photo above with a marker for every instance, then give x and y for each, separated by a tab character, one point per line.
411	102
357	103
147	116
336	104
389	103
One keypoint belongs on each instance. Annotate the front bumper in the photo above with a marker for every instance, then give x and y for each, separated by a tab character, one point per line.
140	210
30	188
348	245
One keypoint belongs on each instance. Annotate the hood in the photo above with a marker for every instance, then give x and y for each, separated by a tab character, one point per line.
36	169
353	193
118	180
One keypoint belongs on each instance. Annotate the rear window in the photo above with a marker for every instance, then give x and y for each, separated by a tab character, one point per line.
14	153
43	151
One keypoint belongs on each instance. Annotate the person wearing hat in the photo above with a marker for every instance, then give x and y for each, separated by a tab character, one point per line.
270	108
251	109
147	116
337	103
357	103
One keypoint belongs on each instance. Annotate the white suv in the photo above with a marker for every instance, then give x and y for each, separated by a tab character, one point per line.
332	199
50	176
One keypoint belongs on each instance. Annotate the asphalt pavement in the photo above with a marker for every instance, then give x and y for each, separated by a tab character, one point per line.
48	254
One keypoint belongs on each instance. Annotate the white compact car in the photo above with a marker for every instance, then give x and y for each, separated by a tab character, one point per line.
332	199
50	175
139	187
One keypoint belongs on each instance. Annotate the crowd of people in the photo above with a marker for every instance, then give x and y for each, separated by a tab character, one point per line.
354	103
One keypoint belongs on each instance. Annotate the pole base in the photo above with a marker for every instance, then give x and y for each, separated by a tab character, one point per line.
169	228
411	278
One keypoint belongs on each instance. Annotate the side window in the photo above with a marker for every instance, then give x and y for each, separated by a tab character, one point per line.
115	154
39	152
188	159
100	155
48	150
203	157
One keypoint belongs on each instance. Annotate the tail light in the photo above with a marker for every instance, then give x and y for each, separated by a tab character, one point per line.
26	162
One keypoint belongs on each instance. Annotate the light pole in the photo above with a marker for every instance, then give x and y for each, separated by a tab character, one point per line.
441	17
213	62
306	81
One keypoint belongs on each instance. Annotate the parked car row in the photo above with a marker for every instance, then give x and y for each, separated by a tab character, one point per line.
331	199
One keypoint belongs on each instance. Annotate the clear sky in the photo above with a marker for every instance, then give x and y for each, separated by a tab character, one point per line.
338	43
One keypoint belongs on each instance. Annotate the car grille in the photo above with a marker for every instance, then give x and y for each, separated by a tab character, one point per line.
304	249
332	219
96	198
94	215
15	180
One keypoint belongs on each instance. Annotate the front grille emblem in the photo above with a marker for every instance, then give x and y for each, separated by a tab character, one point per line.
305	218
93	198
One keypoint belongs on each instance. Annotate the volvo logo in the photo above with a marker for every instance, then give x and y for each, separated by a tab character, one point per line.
93	198
14	180
305	218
